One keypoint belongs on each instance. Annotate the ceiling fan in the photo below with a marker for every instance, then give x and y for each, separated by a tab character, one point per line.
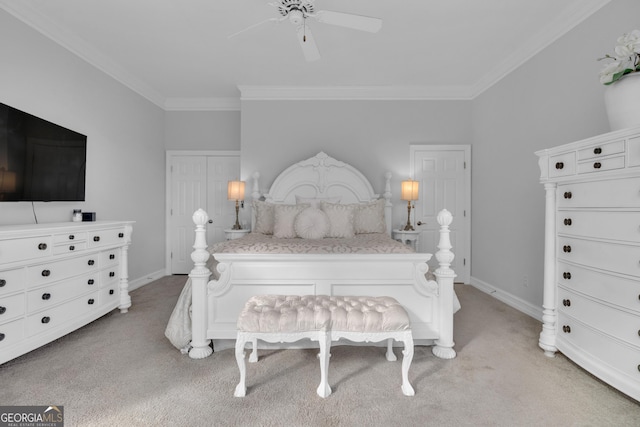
298	11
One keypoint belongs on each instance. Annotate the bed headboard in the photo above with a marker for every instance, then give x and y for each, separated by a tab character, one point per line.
322	176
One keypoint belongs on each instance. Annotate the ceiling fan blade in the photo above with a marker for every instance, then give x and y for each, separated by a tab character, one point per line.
308	43
254	27
348	20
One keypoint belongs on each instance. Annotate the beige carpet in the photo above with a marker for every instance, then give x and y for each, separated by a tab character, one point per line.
121	371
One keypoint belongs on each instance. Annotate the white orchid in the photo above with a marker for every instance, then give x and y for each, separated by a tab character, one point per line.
626	59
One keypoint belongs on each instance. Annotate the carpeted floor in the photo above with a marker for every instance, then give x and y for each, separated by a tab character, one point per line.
121	371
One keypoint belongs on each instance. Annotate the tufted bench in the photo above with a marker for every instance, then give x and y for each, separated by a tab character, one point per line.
322	318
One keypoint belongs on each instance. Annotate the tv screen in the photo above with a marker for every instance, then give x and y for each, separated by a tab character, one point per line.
39	160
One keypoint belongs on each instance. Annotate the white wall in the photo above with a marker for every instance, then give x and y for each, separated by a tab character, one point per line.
554	98
202	130
125	144
373	136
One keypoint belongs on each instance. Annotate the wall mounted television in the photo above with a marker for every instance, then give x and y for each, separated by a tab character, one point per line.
39	160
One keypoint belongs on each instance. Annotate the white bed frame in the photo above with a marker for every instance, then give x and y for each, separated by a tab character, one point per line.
216	304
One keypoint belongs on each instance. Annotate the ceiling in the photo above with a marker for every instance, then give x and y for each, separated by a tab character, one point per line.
177	53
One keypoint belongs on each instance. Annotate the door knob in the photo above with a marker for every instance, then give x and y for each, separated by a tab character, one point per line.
420	223
210	221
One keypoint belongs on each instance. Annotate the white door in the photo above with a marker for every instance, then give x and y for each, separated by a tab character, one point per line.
197	181
444	173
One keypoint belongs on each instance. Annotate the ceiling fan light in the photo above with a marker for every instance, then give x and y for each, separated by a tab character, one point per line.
296	17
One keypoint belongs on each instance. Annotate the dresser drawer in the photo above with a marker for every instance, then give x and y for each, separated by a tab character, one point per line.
12	280
623	226
109	296
57	316
108	237
617	323
617	258
615	354
562	165
601	150
59	270
11	307
616	290
13	250
11	333
49	296
109	258
109	276
610	193
601	165
68	248
69	237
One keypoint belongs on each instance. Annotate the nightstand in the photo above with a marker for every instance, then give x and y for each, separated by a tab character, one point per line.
231	234
407	237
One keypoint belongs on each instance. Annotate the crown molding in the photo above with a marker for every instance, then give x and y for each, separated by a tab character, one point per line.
353	93
202	104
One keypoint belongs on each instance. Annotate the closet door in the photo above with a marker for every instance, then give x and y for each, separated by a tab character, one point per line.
196	181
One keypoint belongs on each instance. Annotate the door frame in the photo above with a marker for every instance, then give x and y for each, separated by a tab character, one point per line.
169	156
466	149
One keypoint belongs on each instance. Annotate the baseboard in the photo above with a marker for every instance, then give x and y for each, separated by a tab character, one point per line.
507	298
146	279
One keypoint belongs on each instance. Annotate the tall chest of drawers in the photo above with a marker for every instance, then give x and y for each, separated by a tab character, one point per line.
591	307
55	278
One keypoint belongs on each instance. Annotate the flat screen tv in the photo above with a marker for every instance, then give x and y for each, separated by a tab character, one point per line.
39	160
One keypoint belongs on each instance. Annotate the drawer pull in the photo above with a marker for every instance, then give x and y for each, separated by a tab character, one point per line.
91	301
121	235
566	275
566	302
71	237
46	296
112	274
2	337
91	262
597	165
110	291
96	238
90	281
2	283
567	194
112	256
72	248
46	273
567	221
46	319
559	165
597	150
566	329
566	248
42	246
3	310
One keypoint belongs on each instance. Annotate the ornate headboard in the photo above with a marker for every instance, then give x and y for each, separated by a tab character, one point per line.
322	176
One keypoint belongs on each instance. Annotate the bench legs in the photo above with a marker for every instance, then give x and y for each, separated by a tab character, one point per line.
406	363
324	339
241	388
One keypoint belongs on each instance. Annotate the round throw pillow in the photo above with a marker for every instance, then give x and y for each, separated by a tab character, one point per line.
311	223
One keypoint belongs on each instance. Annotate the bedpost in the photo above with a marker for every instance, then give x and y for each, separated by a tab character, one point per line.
388	206
444	275
255	195
199	279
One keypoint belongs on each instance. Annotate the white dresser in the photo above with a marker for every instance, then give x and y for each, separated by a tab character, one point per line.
591	308
55	278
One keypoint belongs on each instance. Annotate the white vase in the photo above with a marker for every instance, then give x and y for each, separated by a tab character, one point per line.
622	101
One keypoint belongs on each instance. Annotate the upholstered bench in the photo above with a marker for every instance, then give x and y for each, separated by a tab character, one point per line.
288	318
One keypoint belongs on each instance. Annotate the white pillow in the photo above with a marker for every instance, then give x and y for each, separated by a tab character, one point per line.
284	218
264	215
340	219
315	201
311	223
369	217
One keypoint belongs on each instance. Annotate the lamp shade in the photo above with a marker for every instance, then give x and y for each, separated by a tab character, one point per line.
235	190
410	190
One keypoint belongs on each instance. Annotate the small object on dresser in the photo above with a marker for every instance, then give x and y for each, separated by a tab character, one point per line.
88	216
77	215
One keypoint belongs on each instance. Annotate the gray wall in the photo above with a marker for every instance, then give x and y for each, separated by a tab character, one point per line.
554	98
202	130
125	145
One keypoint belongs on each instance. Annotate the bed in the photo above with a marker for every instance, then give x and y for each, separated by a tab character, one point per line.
346	250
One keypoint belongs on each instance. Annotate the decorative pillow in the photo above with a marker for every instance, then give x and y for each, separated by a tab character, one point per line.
264	214
340	219
311	223
284	217
369	217
315	201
